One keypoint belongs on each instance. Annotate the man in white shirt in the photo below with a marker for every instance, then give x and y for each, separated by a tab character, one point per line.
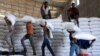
45	11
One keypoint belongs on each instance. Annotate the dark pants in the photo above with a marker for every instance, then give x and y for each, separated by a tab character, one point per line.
76	21
31	42
46	17
83	44
46	43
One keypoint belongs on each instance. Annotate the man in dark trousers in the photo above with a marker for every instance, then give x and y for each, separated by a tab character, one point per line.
29	35
73	14
46	35
45	11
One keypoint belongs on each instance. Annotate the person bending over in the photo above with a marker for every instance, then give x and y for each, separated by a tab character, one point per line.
10	21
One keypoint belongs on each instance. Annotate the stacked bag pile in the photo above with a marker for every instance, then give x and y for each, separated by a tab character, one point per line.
60	35
95	30
3	30
92	26
60	41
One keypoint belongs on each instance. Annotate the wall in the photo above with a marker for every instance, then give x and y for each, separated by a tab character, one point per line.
23	7
60	43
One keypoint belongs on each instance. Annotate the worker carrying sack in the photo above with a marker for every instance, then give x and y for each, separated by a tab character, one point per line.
49	26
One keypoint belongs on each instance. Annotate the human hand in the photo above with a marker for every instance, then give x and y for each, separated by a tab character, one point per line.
74	39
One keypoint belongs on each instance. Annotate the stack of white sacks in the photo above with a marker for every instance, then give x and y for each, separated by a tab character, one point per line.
84	34
60	41
3	30
84	24
95	30
92	26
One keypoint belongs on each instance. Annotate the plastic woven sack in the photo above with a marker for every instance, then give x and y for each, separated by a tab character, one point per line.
11	18
83	35
69	26
29	18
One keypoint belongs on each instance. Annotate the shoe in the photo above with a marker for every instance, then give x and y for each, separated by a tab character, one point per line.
34	53
23	52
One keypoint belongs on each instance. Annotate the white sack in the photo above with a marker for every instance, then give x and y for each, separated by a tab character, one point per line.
29	18
94	19
83	19
69	26
84	36
60	17
55	20
3	49
49	26
40	21
11	18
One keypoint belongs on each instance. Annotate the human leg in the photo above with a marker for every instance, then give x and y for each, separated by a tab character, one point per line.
49	47
32	44
43	48
72	49
23	44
